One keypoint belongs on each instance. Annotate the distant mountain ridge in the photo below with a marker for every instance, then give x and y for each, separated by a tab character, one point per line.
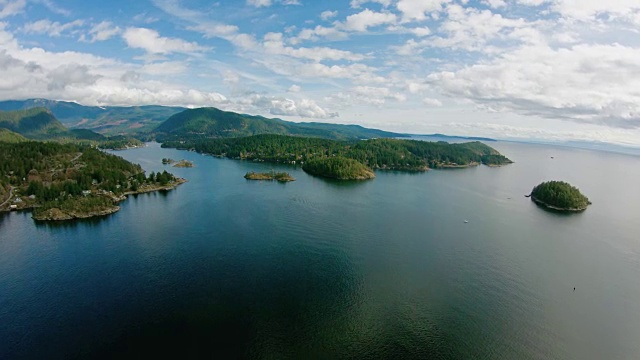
104	119
39	123
34	123
213	122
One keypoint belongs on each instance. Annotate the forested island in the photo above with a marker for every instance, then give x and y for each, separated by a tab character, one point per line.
388	154
559	195
339	168
280	176
68	181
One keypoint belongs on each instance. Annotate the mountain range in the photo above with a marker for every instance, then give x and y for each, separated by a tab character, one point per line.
107	120
160	122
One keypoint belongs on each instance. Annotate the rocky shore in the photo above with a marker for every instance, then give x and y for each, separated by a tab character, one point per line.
56	214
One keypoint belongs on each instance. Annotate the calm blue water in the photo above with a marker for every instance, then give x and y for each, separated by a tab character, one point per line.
315	268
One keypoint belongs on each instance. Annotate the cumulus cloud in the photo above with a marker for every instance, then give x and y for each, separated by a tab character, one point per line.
281	106
151	41
367	18
583	83
70	75
418	9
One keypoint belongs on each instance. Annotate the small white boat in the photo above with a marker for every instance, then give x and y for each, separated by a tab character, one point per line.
466	221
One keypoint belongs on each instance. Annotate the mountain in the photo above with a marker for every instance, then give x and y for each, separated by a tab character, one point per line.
35	123
107	120
40	124
9	136
212	122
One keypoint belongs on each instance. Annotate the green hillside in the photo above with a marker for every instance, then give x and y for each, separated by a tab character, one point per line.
212	122
109	120
9	136
40	124
36	123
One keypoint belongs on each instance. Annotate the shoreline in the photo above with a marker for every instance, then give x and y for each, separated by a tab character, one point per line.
548	206
55	214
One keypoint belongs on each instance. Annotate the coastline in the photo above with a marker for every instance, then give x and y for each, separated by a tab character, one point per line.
55	214
548	206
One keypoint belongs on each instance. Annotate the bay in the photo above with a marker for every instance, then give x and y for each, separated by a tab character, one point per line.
324	269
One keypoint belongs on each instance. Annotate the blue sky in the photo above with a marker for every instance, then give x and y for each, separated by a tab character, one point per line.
512	69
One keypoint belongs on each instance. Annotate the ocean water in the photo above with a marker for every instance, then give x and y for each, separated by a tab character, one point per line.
386	268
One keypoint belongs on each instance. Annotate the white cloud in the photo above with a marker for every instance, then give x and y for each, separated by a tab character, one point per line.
50	28
357	3
10	8
330	33
259	3
418	9
151	41
273	44
432	102
495	3
267	3
421	31
294	89
102	31
53	7
471	29
367	18
583	83
367	95
165	68
280	106
326	15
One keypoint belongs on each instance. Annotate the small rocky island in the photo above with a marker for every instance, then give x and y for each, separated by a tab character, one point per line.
559	196
179	164
281	176
339	168
183	164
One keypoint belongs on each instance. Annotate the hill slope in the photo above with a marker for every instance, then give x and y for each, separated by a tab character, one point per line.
35	123
9	136
40	124
212	122
106	120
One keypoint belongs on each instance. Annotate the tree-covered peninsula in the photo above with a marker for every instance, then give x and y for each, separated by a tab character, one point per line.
390	154
67	181
559	195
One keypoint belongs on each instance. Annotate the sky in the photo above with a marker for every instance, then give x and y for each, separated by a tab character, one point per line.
552	70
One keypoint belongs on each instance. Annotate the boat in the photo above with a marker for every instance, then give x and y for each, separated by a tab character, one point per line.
466	221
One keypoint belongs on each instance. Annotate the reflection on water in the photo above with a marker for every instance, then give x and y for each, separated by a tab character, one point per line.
321	268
